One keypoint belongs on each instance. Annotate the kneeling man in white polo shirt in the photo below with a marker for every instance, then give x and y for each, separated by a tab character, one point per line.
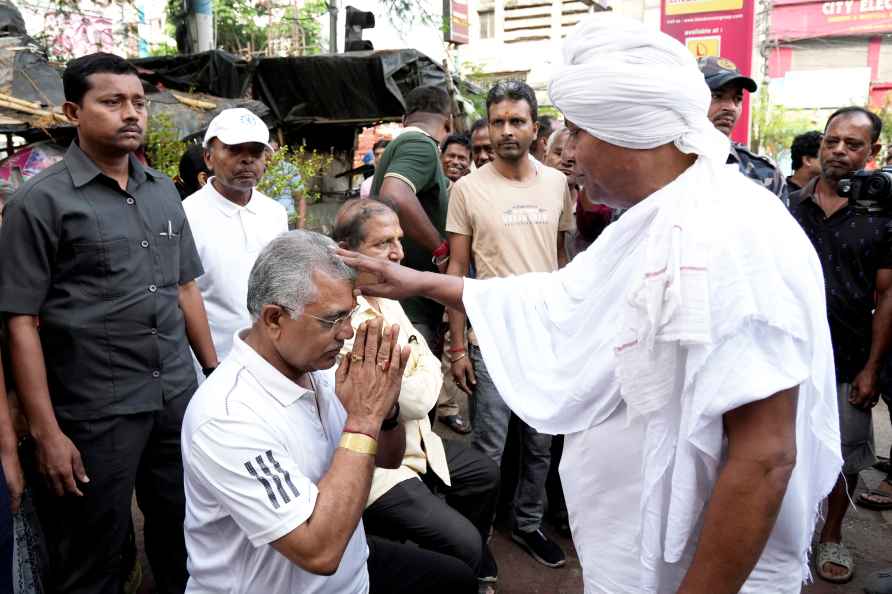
279	447
232	221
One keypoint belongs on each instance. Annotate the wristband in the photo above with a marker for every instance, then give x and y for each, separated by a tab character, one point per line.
207	371
457	350
359	443
393	421
369	435
442	250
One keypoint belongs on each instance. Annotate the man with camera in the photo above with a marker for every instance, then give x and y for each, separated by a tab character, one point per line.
852	234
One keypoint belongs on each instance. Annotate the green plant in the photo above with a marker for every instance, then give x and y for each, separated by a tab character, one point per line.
885	113
774	126
163	49
163	145
298	172
302	26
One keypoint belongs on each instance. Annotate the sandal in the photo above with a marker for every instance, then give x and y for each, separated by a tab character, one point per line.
838	554
865	501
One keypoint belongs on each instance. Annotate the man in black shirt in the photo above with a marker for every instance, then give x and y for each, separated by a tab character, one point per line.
855	250
97	288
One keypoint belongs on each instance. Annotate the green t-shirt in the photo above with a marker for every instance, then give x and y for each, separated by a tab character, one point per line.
414	158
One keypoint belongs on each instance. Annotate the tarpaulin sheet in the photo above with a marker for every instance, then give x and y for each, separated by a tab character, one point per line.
11	21
213	72
35	80
191	123
354	86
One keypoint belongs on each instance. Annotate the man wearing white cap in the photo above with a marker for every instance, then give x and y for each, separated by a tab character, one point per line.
686	358
231	220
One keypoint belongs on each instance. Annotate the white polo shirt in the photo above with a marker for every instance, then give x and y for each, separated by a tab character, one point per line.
229	238
255	445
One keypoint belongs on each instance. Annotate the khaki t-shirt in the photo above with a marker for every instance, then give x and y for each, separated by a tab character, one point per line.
514	226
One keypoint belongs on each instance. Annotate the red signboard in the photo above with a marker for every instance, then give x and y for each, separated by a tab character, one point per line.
715	28
805	19
458	21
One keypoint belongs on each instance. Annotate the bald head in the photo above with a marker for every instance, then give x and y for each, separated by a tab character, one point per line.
350	222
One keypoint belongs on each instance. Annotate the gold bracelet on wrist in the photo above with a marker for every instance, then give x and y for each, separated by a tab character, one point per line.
359	443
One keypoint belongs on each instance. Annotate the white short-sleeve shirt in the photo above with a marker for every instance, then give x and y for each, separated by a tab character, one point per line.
229	238
255	445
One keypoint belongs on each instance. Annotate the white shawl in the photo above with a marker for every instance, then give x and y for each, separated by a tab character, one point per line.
661	290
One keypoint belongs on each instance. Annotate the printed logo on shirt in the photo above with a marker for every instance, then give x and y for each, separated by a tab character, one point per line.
524	215
276	475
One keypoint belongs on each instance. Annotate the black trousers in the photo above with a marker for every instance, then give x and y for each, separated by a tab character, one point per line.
88	538
458	525
396	568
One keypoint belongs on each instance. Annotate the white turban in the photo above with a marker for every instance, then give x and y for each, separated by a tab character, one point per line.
637	88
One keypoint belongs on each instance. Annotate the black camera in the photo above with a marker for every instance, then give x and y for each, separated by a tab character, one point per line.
869	192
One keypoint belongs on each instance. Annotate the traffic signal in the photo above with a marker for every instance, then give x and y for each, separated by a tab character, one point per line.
356	21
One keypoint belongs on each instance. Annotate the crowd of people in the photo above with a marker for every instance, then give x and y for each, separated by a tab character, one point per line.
694	340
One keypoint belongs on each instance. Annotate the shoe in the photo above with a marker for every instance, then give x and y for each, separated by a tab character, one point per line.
540	547
457	423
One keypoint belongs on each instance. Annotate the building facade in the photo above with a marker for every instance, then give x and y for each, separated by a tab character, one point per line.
523	39
130	28
824	55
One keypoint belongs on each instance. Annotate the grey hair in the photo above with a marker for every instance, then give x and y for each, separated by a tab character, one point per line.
283	272
553	138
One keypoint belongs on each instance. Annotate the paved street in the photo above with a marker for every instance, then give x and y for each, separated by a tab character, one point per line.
868	534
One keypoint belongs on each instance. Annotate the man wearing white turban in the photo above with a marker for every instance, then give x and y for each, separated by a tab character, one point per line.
685	354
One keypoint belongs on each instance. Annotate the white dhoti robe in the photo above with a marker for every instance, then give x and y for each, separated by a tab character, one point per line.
702	298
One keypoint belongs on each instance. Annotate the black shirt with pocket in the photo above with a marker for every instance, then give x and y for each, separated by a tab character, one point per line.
852	247
101	267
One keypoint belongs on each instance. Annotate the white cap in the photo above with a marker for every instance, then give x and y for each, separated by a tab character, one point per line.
237	126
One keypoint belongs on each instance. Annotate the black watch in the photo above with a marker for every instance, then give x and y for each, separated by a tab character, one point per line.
393	421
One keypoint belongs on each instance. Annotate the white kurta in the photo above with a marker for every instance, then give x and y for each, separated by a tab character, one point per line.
702	298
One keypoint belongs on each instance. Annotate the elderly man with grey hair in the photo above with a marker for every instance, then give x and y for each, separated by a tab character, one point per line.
279	447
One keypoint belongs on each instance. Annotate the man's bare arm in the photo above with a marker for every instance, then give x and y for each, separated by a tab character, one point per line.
58	459
318	544
562	249
865	390
197	329
391	447
9	455
748	494
393	281
459	262
368	389
414	221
